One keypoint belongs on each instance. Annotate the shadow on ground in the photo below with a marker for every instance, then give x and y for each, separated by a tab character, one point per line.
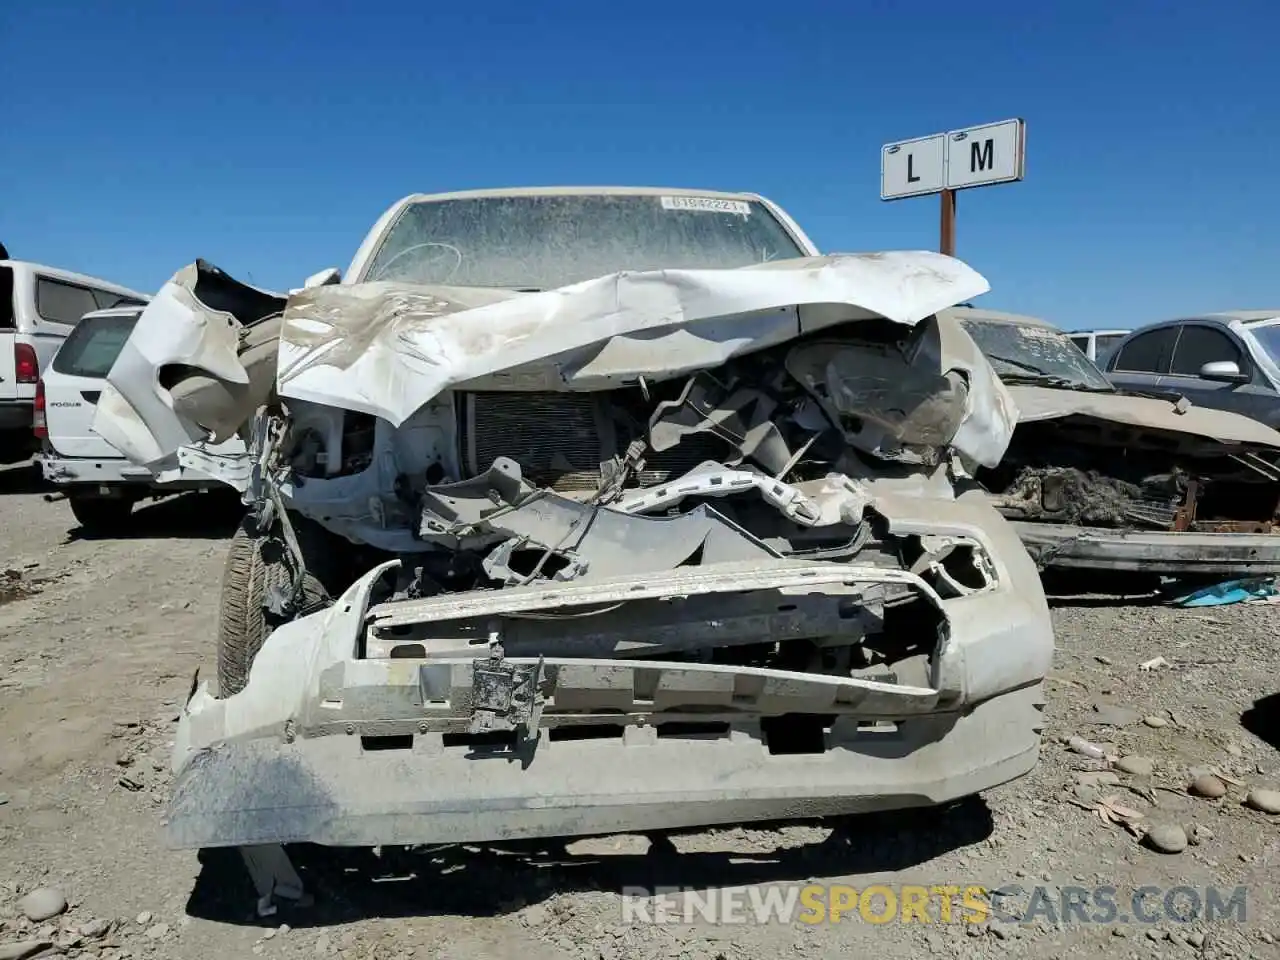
1083	588
1117	600
1263	720
17	446
188	516
20	478
492	879
1093	588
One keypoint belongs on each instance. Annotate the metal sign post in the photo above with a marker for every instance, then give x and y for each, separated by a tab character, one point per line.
947	228
944	163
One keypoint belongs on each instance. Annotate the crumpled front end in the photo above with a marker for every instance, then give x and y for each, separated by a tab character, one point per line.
728	690
209	351
651	551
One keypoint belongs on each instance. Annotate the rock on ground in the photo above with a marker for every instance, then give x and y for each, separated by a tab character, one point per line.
1268	801
42	904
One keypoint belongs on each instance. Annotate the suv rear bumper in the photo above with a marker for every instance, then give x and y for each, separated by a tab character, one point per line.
104	471
114	472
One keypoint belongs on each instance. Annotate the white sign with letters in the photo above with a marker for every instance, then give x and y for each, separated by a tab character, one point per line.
955	160
913	168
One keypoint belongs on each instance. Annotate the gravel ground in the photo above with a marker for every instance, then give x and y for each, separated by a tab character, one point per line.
99	640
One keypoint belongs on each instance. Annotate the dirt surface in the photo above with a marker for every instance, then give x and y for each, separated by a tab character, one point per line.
99	639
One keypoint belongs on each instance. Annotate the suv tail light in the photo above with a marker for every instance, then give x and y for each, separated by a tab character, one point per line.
25	363
39	425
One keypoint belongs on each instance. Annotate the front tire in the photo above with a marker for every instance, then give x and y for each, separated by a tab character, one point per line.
101	514
255	565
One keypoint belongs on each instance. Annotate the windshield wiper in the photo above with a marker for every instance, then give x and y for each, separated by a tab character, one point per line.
1053	380
1020	364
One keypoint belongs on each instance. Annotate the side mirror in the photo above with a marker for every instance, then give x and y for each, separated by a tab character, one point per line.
1223	371
322	279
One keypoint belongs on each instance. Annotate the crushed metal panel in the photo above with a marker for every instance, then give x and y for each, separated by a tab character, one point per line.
1183	553
938	391
388	348
221	406
591	540
798	575
992	413
331	793
177	328
1045	403
671	624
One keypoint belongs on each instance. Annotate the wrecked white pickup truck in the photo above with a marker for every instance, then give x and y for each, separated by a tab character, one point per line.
579	511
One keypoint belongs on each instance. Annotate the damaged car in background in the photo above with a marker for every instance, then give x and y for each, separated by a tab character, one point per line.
583	511
1103	479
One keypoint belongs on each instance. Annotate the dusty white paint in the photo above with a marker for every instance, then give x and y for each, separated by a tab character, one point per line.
1045	403
388	349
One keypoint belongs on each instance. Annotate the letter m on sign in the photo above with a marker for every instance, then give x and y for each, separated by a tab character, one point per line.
981	155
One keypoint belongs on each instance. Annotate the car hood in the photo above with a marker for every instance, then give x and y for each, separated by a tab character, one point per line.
1180	416
388	348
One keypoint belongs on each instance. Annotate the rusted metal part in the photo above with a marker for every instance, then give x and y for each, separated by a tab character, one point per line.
947	224
1185	519
1235	526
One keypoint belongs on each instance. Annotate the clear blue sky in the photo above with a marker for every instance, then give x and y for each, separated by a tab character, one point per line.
268	136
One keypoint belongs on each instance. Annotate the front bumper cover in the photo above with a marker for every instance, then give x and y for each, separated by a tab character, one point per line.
324	746
333	791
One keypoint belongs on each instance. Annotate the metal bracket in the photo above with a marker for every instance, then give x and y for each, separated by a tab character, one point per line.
274	877
505	696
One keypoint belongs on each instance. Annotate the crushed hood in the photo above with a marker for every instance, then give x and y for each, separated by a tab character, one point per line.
387	349
1048	403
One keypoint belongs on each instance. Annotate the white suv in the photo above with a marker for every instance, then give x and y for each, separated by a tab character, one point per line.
1097	344
101	485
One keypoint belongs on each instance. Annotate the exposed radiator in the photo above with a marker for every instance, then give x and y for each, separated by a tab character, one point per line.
560	439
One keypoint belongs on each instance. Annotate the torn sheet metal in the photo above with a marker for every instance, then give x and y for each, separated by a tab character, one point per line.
673	624
713	480
593	541
741	418
1045	403
197	321
910	404
581	540
388	348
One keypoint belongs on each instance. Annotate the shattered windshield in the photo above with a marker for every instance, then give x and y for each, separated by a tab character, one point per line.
1024	352
541	242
